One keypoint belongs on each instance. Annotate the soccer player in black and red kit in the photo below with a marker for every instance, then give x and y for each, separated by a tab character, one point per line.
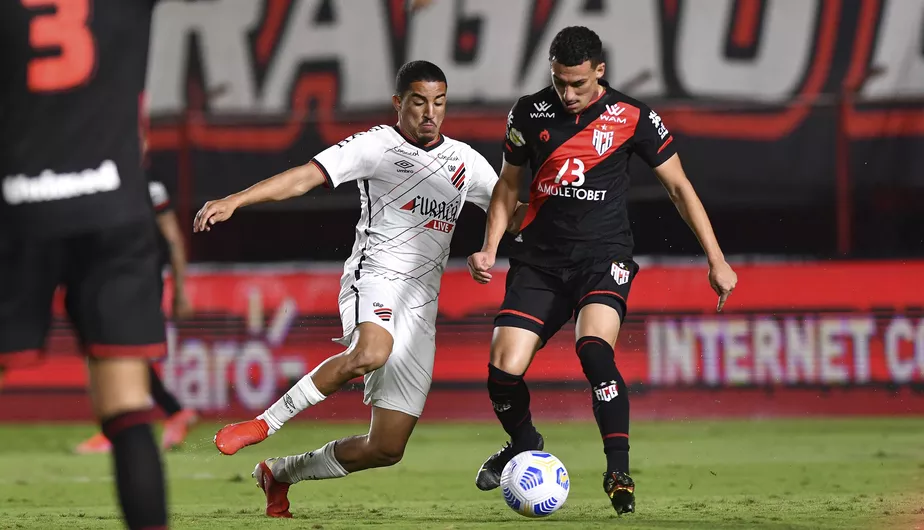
75	212
573	256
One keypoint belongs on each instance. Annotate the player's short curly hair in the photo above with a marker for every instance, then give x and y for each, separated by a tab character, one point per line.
574	45
414	71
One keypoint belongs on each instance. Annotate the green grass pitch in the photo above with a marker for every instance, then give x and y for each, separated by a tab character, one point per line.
812	473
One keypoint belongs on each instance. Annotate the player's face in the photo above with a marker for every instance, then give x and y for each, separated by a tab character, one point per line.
421	110
577	85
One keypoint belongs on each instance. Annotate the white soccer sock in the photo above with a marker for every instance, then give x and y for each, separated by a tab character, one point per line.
301	396
319	464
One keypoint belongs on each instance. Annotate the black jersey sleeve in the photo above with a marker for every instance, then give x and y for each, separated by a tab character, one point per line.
160	197
515	150
653	141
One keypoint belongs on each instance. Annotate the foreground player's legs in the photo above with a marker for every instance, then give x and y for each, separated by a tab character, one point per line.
119	390
382	446
512	351
175	428
369	351
596	331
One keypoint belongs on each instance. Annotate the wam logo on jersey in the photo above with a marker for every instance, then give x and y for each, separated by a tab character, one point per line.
603	140
614	114
542	107
620	273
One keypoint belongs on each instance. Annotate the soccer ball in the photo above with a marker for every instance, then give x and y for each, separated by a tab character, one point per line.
535	484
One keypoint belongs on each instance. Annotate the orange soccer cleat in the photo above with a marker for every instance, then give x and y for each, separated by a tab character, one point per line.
277	493
176	428
98	443
232	438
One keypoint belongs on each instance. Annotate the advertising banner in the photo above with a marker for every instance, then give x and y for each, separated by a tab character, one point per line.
788	325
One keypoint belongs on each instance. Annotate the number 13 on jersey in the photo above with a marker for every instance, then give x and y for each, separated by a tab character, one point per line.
573	167
65	29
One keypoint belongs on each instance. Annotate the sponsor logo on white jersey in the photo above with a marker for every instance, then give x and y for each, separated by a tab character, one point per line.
404	166
407	152
50	186
443	214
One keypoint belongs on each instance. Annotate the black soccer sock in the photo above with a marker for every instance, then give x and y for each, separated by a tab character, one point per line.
610	399
164	399
510	398
139	475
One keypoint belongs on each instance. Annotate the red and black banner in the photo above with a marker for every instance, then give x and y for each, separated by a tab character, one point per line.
769	102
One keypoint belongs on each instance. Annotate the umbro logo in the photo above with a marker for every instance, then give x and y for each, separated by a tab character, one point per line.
404	166
542	107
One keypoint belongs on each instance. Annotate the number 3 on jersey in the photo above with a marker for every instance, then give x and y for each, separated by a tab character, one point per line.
65	29
577	171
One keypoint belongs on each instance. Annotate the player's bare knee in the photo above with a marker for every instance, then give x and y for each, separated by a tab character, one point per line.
504	360
384	455
512	360
365	359
512	349
371	350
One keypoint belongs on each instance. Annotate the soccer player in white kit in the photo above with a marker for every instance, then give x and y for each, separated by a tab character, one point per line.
412	183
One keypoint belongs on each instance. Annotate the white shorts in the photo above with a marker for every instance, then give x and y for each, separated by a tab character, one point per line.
403	382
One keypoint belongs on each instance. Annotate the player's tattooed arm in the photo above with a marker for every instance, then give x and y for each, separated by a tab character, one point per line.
291	183
721	276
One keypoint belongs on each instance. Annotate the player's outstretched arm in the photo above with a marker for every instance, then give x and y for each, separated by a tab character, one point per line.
292	183
721	276
500	213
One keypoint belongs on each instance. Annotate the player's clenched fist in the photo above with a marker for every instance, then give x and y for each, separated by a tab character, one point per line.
723	281
479	264
213	212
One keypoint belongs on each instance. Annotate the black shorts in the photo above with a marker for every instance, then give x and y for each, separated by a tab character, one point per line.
543	300
113	294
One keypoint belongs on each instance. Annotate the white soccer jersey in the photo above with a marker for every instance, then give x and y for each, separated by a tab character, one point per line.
411	199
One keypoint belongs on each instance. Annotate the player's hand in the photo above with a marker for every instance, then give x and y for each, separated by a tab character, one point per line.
479	264
723	281
182	309
214	212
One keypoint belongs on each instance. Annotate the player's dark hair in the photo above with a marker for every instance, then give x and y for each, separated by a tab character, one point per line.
414	71
574	45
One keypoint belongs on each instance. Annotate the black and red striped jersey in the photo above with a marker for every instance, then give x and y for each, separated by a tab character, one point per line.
577	205
70	156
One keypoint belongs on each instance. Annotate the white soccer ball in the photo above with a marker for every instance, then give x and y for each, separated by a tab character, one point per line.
535	484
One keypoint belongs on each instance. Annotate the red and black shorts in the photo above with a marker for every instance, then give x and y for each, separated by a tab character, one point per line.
113	292
543	300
